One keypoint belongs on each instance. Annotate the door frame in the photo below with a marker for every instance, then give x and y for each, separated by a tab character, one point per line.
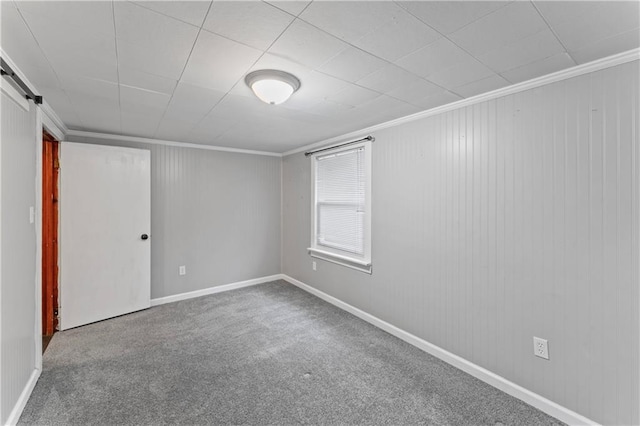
50	211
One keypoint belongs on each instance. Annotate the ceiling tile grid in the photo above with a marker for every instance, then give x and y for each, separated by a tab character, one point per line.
175	69
256	24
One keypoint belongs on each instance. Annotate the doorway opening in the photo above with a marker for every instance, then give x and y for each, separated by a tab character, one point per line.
50	170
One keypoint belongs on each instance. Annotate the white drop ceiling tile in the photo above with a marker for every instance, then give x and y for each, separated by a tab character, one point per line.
22	48
319	85
213	126
271	61
152	59
56	97
437	100
398	37
106	122
299	116
137	25
140	123
294	7
134	99
530	49
330	109
415	90
439	55
191	103
42	78
376	107
241	89
65	63
59	101
93	16
236	108
17	40
307	45
300	103
582	23
93	54
71	37
449	16
244	135
379	111
70	119
173	130
607	47
349	20
6	5
506	25
89	88
136	78
218	63
97	114
461	74
398	112
481	86
387	79
354	95
352	64
191	12
539	68
256	24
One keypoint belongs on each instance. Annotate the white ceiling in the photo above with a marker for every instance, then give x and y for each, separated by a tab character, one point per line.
174	70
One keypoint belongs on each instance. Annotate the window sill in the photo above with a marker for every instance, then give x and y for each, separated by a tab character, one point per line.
358	265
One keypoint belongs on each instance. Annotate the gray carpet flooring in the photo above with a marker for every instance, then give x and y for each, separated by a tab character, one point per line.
267	354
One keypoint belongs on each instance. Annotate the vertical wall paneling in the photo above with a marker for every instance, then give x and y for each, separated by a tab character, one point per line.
496	222
19	255
216	212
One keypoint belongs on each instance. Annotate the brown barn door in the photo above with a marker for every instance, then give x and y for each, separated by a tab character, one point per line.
49	234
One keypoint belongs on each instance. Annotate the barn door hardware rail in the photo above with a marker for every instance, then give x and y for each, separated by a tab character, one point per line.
368	138
6	70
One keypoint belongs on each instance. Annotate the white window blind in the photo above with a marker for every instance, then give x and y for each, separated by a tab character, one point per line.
340	201
341	209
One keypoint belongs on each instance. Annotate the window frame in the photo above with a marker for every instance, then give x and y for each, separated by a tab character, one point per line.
362	263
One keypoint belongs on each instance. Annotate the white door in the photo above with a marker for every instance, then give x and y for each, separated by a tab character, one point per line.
105	202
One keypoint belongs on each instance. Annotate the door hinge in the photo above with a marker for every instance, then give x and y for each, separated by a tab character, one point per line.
56	163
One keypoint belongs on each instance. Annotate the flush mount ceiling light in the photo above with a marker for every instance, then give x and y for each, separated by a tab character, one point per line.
272	86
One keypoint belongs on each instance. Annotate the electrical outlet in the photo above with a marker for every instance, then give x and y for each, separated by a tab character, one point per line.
313	265
540	348
182	270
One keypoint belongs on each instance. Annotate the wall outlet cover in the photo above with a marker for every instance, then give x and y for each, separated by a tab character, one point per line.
540	348
182	270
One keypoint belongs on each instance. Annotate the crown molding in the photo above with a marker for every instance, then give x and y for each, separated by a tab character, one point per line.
597	65
109	136
52	122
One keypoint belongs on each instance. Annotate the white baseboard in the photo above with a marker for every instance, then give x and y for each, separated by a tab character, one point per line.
213	290
543	404
15	414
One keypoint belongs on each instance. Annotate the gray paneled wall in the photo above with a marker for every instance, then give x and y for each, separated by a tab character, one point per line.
512	218
217	213
18	260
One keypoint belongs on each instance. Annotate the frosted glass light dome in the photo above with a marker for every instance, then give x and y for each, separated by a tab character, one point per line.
272	86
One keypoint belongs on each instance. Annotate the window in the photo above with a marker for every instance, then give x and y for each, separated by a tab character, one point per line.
341	216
